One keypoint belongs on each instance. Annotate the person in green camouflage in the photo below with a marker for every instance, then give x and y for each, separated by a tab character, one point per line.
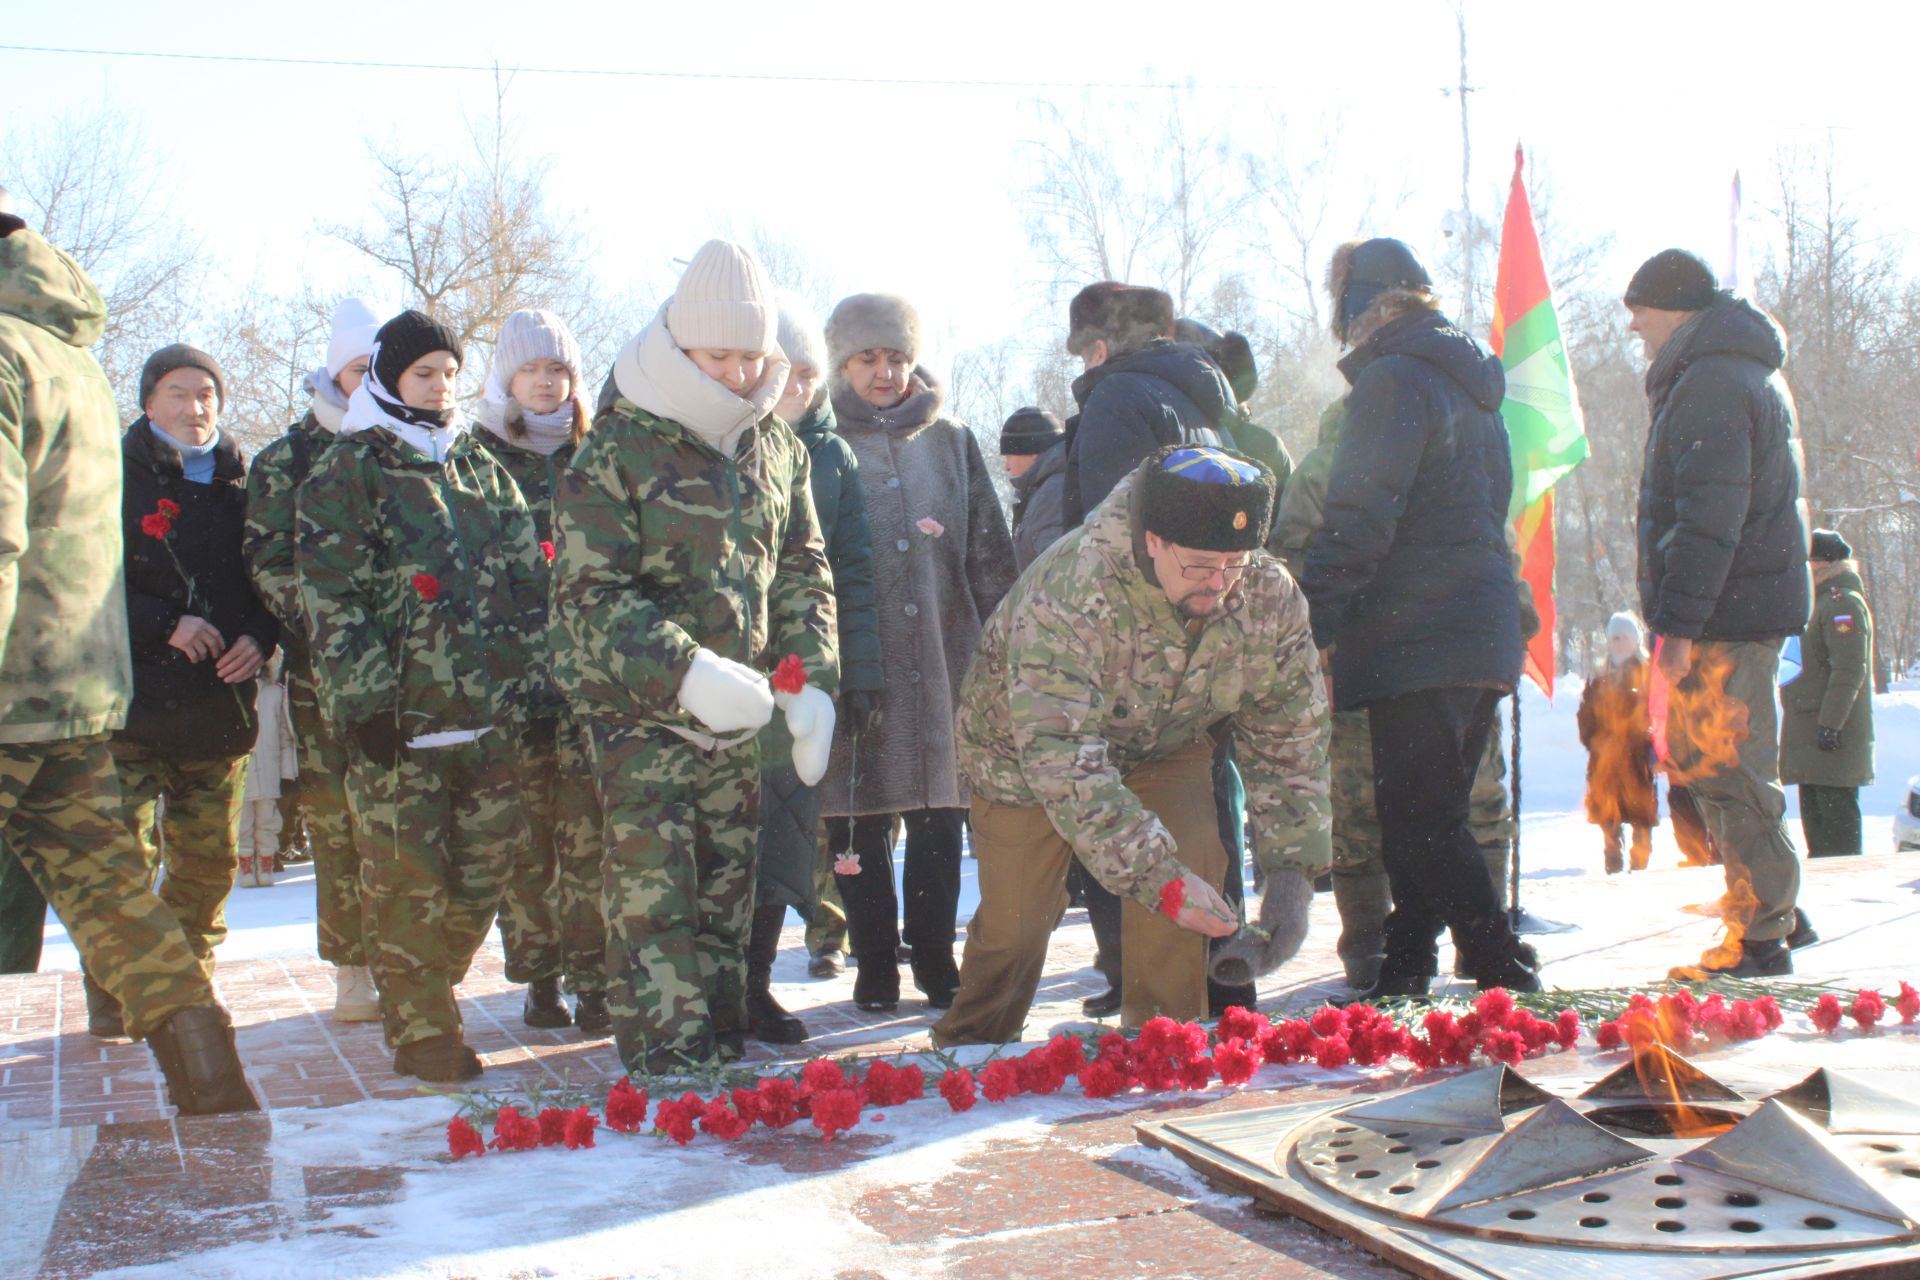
66	674
689	562
533	420
273	487
1083	734
422	582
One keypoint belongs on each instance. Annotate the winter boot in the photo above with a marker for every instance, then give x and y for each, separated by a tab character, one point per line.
1364	902
195	1051
354	997
1510	963
1803	934
1642	851
1104	1005
937	977
770	1022
876	987
1614	862
590	1014
544	1007
437	1059
1757	959
105	1020
1222	996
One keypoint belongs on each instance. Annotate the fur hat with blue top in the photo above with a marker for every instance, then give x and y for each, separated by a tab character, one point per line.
1207	499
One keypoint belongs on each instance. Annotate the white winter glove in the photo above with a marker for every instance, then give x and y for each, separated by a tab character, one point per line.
810	721
724	695
1259	949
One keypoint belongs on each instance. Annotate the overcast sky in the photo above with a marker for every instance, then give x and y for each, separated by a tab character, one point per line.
1638	113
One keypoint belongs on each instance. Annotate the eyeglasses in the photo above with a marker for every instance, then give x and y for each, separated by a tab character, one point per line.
1232	570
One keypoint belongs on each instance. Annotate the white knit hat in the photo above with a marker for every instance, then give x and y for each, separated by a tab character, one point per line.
1625	626
534	335
355	321
724	302
800	335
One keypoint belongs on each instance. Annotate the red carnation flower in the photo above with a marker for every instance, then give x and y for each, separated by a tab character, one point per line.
1566	1028
1000	1081
1105	1077
779	1102
581	1122
958	1088
895	1086
676	1119
1827	1013
1908	1003
427	585
514	1132
156	525
463	1139
790	676
1868	1008
1173	897
722	1121
1196	1073
1328	1021
1238	1023
546	549
1236	1062
626	1107
1331	1051
553	1126
1039	1073
167	507
835	1111
1068	1053
1504	1046
821	1075
1608	1035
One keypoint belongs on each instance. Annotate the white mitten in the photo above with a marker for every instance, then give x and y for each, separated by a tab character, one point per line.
810	719
724	695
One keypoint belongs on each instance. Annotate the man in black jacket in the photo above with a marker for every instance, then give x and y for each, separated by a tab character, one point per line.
1723	575
1414	608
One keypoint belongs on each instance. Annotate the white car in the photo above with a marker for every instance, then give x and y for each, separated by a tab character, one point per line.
1906	823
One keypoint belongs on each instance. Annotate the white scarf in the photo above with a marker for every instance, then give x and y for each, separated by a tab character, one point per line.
365	410
654	373
545	433
329	406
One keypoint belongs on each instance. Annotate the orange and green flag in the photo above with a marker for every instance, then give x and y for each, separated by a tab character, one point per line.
1542	408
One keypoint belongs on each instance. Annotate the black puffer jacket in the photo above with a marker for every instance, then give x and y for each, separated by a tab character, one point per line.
840	503
1723	532
1164	393
182	707
1409	576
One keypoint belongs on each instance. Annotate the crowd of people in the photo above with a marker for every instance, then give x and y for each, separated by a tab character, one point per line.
636	673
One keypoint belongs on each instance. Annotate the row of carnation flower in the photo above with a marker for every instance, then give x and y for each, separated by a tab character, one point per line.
1168	1055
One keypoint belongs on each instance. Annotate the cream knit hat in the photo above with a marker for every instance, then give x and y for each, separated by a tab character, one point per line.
724	302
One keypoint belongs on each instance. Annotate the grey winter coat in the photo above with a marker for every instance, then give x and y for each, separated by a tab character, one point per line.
1040	506
933	589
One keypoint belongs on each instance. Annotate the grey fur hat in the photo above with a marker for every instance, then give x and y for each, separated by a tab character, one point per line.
867	321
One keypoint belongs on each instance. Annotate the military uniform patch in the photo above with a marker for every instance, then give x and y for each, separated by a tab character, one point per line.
1843	624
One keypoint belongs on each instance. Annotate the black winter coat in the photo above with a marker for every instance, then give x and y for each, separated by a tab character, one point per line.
182	707
840	504
1723	532
1164	393
1409	576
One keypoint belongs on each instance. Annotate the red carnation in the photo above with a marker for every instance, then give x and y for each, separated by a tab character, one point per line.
1868	1008
790	676
1566	1028
1608	1035
1908	1003
427	585
1331	1052
1039	1073
999	1081
1196	1073
889	1086
514	1132
1329	1021
1494	1007
156	525
722	1121
747	1103
779	1102
626	1107
1069	1054
1504	1046
463	1139
821	1075
1769	1011
957	1087
581	1122
676	1119
1826	1013
835	1111
546	549
553	1126
1173	898
1235	1061
167	507
1104	1077
1238	1023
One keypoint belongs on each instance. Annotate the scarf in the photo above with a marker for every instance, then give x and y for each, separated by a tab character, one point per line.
654	373
429	432
544	433
196	460
329	406
925	398
1666	365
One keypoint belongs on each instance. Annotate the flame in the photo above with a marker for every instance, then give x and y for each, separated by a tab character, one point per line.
1705	728
1615	725
1656	1027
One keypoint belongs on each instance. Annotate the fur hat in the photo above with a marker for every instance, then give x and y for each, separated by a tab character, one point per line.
1030	431
355	321
405	340
1673	280
1828	545
180	356
1207	499
1230	350
870	322
1125	316
724	302
799	333
1363	271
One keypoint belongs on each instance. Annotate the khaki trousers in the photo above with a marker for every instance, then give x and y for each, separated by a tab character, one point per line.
1023	866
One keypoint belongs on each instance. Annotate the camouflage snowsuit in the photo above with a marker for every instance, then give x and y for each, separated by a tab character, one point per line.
423	588
273	487
550	922
666	546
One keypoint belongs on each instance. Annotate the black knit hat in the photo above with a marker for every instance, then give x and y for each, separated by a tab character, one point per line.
1829	545
180	356
1030	430
1207	499
1673	280
404	340
1126	316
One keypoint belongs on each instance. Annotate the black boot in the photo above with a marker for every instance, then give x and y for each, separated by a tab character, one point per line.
590	1013
1768	958
105	1020
544	1007
1511	964
937	977
1222	996
438	1059
195	1051
770	1022
876	983
1104	1005
1803	934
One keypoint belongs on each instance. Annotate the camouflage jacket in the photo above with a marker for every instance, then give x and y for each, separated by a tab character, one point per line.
538	474
1086	672
273	484
666	546
65	664
423	585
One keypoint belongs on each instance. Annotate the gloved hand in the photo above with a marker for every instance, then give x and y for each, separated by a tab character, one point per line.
380	740
724	695
862	707
1259	949
1827	739
810	721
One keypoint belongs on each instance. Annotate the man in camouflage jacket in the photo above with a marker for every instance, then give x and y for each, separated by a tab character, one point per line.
1083	733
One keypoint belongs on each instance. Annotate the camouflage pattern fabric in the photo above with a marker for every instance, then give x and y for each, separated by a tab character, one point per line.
61	815
198	830
330	828
1086	672
681	828
437	834
550	922
273	490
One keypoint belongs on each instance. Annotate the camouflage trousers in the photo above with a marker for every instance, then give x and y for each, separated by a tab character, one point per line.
61	816
185	816
437	834
1360	889
550	923
330	831
682	827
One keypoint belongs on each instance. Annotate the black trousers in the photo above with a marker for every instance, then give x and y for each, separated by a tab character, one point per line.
1426	749
1830	819
930	882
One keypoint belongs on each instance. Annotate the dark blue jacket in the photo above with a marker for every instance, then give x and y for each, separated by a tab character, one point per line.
1723	532
1409	577
1164	393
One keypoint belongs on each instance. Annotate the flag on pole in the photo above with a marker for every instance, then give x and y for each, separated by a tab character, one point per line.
1542	408
1736	272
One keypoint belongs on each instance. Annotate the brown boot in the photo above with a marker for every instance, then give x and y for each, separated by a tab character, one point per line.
437	1059
196	1054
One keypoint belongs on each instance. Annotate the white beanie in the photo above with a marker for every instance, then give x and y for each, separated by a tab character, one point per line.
724	302
800	335
1624	625
534	335
355	322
